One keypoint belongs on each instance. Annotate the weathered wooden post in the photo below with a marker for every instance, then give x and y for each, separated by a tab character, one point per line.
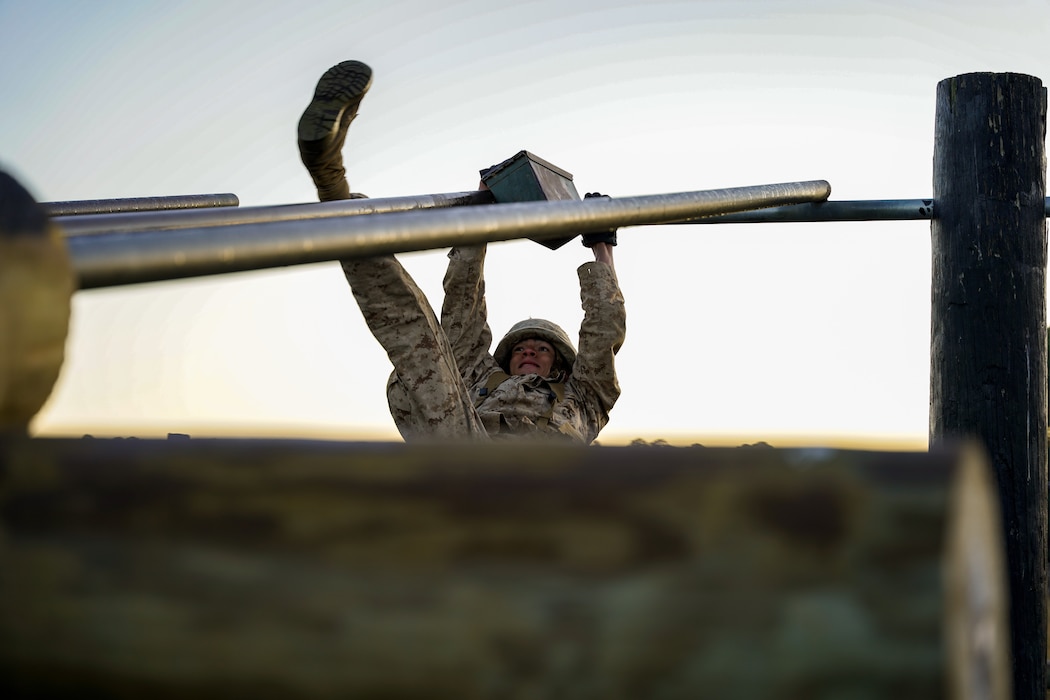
36	283
988	336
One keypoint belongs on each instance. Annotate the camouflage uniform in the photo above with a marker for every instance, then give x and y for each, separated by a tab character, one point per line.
437	390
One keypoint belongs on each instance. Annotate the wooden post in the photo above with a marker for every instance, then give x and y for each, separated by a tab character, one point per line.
988	337
36	284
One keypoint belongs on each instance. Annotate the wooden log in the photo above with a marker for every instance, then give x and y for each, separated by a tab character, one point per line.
36	285
207	569
988	340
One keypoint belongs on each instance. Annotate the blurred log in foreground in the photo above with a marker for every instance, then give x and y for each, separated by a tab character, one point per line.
266	569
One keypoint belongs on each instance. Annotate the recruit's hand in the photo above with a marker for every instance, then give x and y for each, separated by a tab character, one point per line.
590	239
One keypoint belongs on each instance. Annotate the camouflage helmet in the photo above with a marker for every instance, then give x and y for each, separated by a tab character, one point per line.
535	328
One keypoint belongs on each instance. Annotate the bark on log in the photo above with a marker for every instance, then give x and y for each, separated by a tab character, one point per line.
204	569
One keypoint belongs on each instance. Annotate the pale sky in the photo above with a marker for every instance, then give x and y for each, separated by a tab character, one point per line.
785	333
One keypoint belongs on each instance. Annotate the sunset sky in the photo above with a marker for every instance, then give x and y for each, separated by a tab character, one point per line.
811	333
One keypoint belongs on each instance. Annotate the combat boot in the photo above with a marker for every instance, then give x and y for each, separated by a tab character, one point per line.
322	128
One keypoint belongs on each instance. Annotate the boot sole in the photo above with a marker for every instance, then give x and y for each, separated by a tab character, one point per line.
341	87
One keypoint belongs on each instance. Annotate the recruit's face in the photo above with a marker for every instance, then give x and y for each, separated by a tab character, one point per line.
532	356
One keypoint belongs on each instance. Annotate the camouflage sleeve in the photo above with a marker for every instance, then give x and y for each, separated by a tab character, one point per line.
602	333
464	315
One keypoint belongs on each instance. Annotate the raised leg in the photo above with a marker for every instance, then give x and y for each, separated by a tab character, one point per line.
426	395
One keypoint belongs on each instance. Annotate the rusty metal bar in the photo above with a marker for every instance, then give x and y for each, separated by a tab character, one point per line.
138	204
194	218
106	260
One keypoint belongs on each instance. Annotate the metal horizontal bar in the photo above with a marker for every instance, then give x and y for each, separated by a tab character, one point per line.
112	259
193	218
846	210
107	206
